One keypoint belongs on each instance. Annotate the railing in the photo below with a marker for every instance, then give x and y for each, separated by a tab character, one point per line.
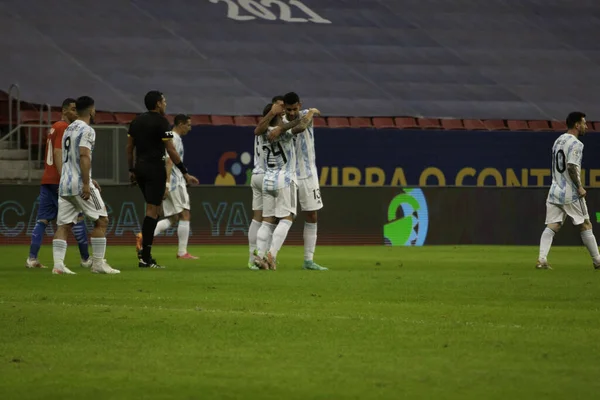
108	156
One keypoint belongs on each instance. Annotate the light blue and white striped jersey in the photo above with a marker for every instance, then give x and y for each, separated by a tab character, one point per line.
177	178
260	159
78	134
305	150
567	149
281	162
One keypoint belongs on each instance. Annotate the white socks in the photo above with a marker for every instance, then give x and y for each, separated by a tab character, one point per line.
589	240
183	233
59	250
546	243
279	236
98	250
263	237
310	240
162	226
252	237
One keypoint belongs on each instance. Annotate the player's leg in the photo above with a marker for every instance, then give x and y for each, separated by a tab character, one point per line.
309	194
183	234
555	216
285	210
170	211
47	211
154	190
94	209
80	232
579	214
67	216
264	234
257	216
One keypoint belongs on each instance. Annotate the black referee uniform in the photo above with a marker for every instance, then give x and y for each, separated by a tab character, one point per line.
149	131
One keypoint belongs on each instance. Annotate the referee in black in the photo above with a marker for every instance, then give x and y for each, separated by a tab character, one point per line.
150	135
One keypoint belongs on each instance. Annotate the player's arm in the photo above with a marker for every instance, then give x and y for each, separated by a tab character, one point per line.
85	163
57	149
130	149
169	168
174	156
297	126
265	121
305	121
573	165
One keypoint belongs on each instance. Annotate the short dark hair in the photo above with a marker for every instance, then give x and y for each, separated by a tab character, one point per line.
83	103
267	109
181	119
574	118
151	98
276	99
67	102
291	98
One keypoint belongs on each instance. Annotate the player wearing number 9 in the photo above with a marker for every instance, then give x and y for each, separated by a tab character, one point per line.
566	197
78	193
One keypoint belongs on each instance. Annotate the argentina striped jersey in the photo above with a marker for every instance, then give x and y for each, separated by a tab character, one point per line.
177	178
281	162
78	134
567	150
305	150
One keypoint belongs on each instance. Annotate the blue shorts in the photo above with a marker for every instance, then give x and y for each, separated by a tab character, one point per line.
48	203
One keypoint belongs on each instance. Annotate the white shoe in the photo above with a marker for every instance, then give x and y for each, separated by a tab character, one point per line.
104	268
86	263
62	270
33	263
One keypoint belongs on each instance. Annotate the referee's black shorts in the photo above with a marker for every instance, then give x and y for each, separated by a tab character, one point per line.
151	178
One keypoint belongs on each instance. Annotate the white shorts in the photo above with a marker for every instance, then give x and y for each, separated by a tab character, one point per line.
257	192
309	194
69	208
557	213
280	203
177	201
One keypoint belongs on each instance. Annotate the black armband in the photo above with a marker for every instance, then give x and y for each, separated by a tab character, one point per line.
182	167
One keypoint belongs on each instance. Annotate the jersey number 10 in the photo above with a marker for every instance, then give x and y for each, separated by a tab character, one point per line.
559	161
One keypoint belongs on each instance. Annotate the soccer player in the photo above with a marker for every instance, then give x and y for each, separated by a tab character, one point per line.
309	192
78	192
279	193
48	207
272	114
149	135
176	206
567	195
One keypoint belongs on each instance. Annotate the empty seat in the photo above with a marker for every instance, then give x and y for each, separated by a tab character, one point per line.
222	120
30	117
245	121
383	122
55	116
105	118
518	125
596	126
201	120
360	122
338	122
495	125
452	124
539	125
559	126
125	118
474	125
319	122
406	123
429	123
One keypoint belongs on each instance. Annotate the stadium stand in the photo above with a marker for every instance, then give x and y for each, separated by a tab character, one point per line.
526	60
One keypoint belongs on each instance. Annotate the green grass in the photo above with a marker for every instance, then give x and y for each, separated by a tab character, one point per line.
414	323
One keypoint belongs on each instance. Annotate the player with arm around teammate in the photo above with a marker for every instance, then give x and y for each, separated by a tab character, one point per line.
78	192
309	191
48	206
176	205
566	196
279	194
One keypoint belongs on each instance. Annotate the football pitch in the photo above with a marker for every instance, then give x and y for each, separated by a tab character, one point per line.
416	323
